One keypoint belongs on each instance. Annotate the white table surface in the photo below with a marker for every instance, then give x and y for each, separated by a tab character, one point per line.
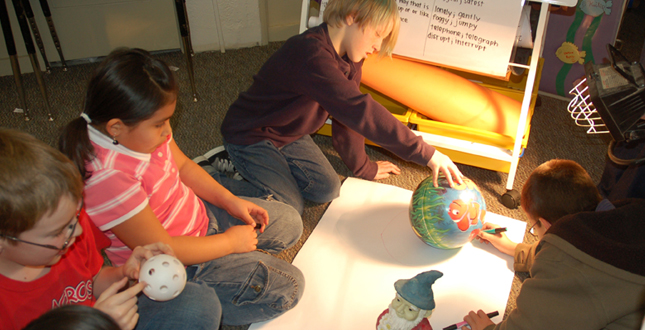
364	243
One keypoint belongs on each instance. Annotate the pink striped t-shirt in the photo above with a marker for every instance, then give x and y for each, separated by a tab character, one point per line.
123	182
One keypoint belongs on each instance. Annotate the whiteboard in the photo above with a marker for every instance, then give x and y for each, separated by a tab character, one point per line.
364	243
472	35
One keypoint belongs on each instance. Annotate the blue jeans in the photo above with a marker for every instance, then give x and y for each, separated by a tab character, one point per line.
236	187
197	307
253	286
292	173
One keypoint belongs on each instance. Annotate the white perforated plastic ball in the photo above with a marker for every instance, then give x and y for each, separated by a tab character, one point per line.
165	277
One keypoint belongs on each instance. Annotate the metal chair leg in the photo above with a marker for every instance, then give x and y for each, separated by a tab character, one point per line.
190	40
26	6
29	44
189	64
180	6
52	30
11	50
41	84
15	66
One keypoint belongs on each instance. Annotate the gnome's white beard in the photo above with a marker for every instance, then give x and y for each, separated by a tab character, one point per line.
391	321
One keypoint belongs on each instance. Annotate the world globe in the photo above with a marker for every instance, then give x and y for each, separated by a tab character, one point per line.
445	217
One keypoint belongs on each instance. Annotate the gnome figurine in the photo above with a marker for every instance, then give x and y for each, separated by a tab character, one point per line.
413	304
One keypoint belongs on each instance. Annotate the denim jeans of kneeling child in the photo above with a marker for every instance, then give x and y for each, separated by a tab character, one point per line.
254	286
291	173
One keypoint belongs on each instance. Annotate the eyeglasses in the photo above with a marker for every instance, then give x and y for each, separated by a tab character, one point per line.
532	229
71	228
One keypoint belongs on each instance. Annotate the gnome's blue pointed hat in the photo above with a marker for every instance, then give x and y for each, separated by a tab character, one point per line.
418	290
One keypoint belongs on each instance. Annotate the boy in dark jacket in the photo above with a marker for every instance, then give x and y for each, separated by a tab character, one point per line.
588	270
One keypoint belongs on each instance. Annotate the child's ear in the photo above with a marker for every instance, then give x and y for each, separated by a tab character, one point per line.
349	20
114	127
544	223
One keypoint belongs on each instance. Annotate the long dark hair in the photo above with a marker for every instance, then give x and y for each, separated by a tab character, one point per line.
130	85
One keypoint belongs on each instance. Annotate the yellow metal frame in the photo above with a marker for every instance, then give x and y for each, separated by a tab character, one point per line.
513	88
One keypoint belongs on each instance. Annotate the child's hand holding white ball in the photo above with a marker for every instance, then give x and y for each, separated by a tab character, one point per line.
164	275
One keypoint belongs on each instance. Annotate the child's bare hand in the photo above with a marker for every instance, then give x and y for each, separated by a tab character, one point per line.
500	241
386	168
442	163
140	254
248	212
482	236
242	238
477	321
121	306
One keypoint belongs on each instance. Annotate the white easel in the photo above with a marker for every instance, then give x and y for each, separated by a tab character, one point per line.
511	198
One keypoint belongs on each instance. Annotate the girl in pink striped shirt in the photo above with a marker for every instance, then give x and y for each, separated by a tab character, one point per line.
141	188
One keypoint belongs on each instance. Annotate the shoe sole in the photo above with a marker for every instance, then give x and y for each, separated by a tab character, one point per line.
201	159
215	151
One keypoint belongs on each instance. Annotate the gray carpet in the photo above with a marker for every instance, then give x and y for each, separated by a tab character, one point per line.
219	79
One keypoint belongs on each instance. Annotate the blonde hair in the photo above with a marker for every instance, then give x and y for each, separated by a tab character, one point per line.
372	13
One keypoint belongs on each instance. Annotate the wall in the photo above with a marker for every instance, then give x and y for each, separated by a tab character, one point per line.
222	24
283	19
92	28
244	23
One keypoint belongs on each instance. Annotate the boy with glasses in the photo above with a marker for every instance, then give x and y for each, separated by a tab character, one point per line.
587	270
48	256
68	231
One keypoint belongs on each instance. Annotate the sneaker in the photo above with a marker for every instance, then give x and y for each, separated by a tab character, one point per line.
237	176
218	158
201	161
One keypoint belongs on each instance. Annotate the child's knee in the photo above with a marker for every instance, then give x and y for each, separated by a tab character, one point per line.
300	285
284	230
333	189
197	307
275	281
295	200
204	310
207	316
325	191
292	223
293	279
